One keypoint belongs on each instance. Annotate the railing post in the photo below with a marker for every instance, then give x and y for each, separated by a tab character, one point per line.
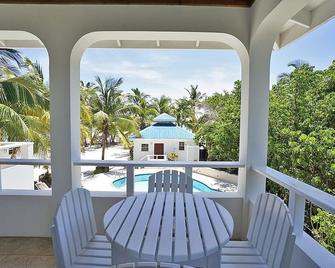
297	209
130	180
188	173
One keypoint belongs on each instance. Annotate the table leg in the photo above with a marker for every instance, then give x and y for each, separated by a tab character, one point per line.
214	260
115	254
119	255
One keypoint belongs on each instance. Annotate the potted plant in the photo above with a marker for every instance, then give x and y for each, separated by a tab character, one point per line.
172	156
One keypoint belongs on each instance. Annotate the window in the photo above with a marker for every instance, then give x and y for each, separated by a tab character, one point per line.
144	147
181	146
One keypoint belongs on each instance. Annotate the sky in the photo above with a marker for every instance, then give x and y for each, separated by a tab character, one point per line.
169	72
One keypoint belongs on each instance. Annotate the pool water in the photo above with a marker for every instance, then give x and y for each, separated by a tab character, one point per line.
141	184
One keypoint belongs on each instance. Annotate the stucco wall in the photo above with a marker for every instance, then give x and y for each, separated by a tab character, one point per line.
17	177
169	146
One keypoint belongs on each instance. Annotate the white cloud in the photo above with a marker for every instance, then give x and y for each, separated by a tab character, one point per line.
164	74
124	68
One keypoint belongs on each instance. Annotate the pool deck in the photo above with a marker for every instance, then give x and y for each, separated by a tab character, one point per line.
104	181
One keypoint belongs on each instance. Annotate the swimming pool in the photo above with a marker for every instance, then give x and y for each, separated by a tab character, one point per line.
141	184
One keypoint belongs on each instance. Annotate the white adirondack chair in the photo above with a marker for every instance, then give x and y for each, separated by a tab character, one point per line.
75	241
270	237
150	265
170	181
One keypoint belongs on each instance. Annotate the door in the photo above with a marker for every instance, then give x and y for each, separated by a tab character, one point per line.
159	151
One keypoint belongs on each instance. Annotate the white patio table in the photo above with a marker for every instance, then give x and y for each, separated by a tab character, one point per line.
169	227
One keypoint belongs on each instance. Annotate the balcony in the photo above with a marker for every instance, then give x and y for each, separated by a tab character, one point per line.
252	31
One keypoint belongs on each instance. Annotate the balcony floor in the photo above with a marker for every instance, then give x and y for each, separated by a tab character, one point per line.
27	252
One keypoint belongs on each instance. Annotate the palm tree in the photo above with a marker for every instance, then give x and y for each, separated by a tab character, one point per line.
163	104
183	113
111	116
296	64
24	101
141	106
87	96
195	97
11	59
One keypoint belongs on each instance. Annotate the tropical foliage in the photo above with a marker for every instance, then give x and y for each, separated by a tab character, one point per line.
301	135
24	101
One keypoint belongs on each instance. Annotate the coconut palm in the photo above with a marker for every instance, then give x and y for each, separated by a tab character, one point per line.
163	104
295	64
195	96
87	97
11	59
24	101
111	115
142	107
194	100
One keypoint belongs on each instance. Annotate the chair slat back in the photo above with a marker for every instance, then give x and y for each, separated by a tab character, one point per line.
170	181
61	253
74	225
63	237
271	230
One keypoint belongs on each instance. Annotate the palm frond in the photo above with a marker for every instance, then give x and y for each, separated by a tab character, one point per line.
10	115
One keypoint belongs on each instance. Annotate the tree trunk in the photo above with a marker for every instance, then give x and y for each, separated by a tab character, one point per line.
103	146
102	169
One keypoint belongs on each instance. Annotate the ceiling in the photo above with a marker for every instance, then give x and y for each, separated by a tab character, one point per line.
241	3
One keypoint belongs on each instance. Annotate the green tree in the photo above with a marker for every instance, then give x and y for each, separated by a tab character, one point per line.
87	97
163	104
219	126
188	107
24	101
111	115
142	107
301	135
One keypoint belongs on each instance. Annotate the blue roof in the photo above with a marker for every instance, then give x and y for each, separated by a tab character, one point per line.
165	118
166	132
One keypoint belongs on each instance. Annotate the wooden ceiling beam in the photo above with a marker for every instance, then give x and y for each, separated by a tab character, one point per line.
240	3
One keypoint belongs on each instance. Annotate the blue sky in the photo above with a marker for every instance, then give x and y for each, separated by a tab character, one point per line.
168	72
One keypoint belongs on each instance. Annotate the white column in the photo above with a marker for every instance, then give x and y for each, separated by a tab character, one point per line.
254	124
65	120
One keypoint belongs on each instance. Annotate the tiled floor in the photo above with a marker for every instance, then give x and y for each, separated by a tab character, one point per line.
26	252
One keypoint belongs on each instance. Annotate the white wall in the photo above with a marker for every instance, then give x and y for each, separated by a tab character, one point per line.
26	149
25	215
17	177
170	145
19	219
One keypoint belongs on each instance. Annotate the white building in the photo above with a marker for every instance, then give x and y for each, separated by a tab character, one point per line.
161	139
16	176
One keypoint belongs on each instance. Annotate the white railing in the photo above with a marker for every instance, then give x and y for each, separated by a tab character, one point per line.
157	157
299	192
131	165
25	162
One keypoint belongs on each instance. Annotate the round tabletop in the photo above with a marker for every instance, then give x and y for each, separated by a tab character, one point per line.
170	227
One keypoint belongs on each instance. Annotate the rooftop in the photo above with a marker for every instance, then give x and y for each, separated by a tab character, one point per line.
164	118
165	128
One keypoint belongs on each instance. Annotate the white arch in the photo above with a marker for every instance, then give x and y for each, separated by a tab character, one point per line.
89	39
